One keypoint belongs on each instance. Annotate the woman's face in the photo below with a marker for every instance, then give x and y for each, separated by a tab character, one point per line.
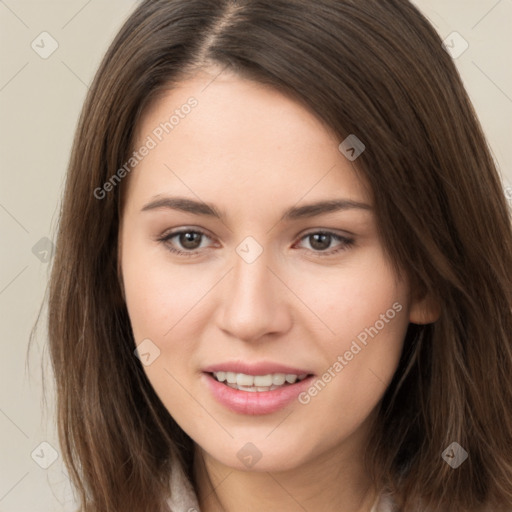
250	252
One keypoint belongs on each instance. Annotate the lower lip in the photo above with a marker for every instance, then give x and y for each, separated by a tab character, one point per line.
257	402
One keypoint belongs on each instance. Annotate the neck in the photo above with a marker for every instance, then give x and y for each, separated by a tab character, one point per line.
334	481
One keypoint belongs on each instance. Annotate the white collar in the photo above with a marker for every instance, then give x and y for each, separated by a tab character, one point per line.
183	497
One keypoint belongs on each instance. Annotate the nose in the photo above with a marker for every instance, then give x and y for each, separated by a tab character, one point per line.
254	302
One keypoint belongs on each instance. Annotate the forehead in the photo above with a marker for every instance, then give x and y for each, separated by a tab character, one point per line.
223	136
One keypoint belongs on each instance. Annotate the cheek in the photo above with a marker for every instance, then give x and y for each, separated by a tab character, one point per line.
364	295
366	310
162	302
159	295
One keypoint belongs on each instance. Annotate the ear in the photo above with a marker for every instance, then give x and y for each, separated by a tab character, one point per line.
424	310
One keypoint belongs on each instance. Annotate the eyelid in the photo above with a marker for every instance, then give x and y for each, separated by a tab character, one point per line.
345	241
166	237
327	231
183	229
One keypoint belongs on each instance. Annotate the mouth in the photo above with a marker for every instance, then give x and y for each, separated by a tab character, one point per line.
257	389
257	383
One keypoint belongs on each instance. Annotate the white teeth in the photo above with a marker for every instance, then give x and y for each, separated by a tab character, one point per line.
278	379
263	380
244	380
246	388
253	383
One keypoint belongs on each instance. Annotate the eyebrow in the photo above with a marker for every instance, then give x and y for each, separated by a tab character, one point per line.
185	205
321	207
293	213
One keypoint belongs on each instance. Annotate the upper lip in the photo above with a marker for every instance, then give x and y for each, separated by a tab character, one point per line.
257	368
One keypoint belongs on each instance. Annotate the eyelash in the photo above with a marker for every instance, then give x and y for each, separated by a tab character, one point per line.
345	242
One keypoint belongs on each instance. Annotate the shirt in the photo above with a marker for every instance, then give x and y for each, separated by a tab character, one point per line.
183	498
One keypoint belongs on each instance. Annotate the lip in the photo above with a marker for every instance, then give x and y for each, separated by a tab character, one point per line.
260	368
258	402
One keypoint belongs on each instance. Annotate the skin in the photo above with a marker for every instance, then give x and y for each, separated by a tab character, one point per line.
253	153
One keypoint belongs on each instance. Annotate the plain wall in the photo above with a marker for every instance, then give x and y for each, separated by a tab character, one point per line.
40	100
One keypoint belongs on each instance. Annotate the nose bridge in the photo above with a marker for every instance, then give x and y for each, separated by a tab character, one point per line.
251	287
251	274
251	280
252	305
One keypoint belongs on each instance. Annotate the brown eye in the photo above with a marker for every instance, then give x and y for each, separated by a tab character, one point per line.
186	242
325	243
190	239
320	241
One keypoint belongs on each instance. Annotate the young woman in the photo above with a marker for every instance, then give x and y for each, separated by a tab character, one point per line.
283	270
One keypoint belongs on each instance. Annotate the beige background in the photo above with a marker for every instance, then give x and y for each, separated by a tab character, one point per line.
40	100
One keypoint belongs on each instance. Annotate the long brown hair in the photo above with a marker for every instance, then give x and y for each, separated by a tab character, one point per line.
374	68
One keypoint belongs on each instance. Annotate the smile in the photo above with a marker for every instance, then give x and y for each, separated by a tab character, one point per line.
247	394
257	383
